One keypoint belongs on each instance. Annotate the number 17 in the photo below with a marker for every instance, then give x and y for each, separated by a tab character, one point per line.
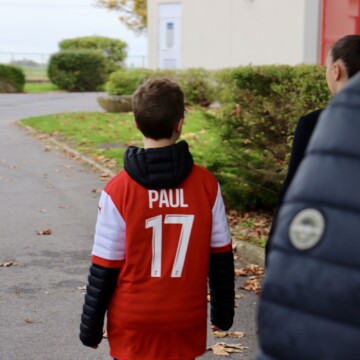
156	223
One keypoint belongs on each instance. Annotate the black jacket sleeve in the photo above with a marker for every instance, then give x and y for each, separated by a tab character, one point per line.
101	285
222	292
302	136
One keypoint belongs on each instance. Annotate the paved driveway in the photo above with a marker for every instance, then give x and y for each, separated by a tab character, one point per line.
41	297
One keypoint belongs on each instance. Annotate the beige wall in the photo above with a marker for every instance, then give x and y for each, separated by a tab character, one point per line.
225	33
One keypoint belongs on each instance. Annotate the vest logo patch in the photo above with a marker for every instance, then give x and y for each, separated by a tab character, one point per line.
306	229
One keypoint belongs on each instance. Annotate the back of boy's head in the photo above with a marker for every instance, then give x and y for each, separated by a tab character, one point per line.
158	105
347	49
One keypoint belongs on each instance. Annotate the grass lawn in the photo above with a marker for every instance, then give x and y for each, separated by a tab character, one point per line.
39	87
105	136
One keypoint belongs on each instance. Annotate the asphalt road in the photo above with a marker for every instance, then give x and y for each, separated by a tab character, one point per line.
41	296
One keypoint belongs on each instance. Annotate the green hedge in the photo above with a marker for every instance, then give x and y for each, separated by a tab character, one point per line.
12	79
78	70
114	50
197	84
125	82
261	107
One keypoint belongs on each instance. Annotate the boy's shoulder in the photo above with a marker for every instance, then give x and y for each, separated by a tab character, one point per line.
204	172
117	181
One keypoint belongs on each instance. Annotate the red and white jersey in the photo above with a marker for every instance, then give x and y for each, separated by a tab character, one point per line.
162	240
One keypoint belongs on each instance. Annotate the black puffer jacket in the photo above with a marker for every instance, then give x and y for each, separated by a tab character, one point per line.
158	168
310	306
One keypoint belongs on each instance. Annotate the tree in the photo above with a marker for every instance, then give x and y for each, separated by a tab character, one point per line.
133	12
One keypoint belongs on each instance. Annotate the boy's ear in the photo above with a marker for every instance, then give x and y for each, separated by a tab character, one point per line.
136	124
179	125
339	71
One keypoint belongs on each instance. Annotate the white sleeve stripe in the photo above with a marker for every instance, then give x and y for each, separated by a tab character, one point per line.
220	235
109	240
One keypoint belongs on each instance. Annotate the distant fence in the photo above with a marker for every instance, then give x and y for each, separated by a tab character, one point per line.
35	64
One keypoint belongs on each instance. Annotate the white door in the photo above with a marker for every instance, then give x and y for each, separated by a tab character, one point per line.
169	36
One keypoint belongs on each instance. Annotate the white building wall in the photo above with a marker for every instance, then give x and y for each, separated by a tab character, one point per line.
227	33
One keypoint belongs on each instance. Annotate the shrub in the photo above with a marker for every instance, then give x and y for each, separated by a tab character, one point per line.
78	70
257	126
12	79
114	50
125	82
197	84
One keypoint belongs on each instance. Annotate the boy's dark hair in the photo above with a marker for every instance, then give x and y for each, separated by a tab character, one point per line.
158	105
347	49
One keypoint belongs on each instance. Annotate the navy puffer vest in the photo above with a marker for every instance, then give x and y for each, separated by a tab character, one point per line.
310	305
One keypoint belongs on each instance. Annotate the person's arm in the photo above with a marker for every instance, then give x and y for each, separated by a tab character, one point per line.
107	259
101	285
222	293
221	270
302	136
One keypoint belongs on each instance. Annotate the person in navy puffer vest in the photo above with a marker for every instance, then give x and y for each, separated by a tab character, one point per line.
310	304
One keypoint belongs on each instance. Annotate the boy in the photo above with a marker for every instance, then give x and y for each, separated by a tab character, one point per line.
161	232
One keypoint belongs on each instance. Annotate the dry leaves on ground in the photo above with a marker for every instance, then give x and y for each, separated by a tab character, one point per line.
253	284
44	232
249	226
225	349
252	269
255	274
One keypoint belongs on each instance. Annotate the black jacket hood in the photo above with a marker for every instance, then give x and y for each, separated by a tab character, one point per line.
159	168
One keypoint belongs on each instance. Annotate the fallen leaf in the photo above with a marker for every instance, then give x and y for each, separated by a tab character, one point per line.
220	334
44	232
239	296
104	176
218	349
250	270
252	285
81	287
236	334
230	334
64	206
42	136
224	349
105	335
95	190
240	272
8	264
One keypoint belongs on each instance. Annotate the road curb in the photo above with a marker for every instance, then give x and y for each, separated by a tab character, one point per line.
246	252
249	253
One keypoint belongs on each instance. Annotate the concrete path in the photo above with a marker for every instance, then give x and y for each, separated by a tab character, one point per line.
42	295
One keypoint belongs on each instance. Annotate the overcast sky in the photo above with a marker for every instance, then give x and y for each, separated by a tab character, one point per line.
37	26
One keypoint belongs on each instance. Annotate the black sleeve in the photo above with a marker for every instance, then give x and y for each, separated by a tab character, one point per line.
302	136
222	292
101	285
